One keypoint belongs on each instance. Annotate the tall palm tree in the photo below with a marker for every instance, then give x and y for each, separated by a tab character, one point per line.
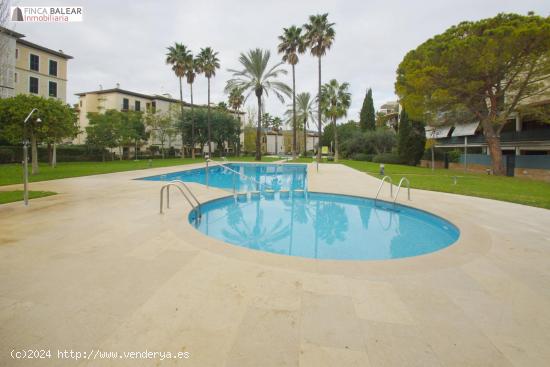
291	44
236	100
318	38
305	113
335	101
208	63
177	57
191	71
276	124
256	76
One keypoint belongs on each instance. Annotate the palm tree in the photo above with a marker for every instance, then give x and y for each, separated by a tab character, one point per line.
208	63
276	124
305	113
191	71
291	44
177	57
318	38
335	101
256	76
236	100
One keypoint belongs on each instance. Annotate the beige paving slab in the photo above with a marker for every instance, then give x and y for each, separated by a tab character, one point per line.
97	266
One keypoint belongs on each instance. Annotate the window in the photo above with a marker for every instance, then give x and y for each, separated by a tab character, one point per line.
137	105
34	62
80	103
125	104
33	85
52	89
53	67
154	106
15	77
16	53
148	107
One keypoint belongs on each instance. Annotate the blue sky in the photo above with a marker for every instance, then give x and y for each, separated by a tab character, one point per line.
125	41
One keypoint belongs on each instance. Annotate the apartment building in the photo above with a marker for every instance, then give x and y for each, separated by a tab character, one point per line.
119	99
29	68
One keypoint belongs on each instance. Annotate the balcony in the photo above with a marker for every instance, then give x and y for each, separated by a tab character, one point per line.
535	135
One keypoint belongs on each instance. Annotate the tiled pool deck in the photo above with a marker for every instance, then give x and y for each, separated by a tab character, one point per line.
96	267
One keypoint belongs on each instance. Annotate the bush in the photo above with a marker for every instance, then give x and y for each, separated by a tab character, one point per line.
390	158
454	156
7	155
362	157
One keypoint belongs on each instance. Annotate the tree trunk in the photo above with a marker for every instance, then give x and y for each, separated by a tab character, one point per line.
305	138
493	144
181	118
335	139
54	155
259	129
208	121
192	124
319	114
277	144
34	155
293	113
136	151
49	149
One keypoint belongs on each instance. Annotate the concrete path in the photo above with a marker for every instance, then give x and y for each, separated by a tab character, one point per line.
97	268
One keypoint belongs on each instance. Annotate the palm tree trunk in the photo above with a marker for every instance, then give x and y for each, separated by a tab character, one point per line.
335	139
192	124
293	113
208	119
54	155
319	114
259	130
305	137
181	108
34	154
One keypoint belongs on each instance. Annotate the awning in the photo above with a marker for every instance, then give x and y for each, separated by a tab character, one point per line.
465	129
437	132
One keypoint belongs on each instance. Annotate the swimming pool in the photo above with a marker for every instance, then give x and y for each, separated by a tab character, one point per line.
325	226
252	176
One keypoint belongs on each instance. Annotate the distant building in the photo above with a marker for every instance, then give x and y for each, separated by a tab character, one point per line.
29	68
390	111
280	142
123	100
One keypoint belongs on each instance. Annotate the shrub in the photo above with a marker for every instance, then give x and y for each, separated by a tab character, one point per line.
7	155
454	155
390	158
362	157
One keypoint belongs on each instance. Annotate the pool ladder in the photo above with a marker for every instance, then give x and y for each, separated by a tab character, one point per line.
403	179
189	196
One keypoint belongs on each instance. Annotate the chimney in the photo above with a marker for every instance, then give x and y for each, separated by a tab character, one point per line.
117	85
100	87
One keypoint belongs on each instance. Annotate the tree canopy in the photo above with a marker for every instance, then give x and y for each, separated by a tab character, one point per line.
484	70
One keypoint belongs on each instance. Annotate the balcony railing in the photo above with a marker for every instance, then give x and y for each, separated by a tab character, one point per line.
505	137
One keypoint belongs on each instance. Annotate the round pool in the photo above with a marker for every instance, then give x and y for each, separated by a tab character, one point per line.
324	226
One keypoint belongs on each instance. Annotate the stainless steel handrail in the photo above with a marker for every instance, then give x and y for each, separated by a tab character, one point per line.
399	188
188	190
382	184
239	173
196	208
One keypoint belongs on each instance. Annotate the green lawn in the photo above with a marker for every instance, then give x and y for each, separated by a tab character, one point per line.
11	196
512	189
12	173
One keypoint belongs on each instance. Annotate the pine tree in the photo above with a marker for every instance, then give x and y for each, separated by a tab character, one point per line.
367	118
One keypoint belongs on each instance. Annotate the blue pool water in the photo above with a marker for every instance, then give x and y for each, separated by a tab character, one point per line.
266	176
325	226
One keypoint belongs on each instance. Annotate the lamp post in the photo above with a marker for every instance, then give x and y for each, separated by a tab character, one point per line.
26	158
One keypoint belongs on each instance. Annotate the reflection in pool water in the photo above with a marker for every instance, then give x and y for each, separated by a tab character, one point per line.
325	226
